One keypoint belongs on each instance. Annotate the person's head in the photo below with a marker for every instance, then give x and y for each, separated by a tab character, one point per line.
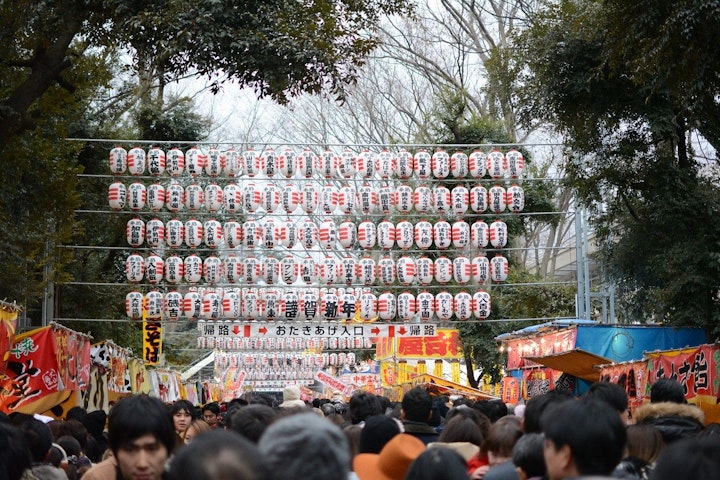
252	420
14	452
78	431
352	434
362	405
291	397
196	427
461	429
693	457
612	394
582	438
416	405
644	441
502	438
217	455
210	413
667	390
306	446
527	456
182	413
536	406
493	409
38	437
76	413
141	436
95	422
438	464
378	430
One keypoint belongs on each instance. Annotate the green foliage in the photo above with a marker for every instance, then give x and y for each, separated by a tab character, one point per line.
179	122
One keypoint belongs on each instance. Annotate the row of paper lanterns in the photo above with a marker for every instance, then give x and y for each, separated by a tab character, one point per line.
329	164
280	359
280	374
235	343
307	305
271	233
313	198
329	270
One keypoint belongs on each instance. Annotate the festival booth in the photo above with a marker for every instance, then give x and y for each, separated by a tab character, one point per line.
569	353
440	386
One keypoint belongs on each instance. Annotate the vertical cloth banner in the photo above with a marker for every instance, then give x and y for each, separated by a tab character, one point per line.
8	324
152	342
73	355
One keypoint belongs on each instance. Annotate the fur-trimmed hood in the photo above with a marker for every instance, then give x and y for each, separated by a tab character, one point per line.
649	411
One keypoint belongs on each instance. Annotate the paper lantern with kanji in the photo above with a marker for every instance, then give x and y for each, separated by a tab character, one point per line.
459	200
498	269
134	305
309	198
347	306
288	233
498	234
347	164
117	196
515	198
460	233
252	197
367	199
174	269
233	163
306	163
154	232
328	234
194	197
496	164
136	196
404	234
287	162
423	199
478	199
288	269
308	270
366	164
387	306
174	233
463	306
425	303
386	235
269	162
366	270
173	304
481	304
193	233
422	164
271	272
134	268
329	270
386	199
231	304
443	270
290	198
477	164
479	234
251	162
440	163
192	304
386	271
154	305
156	161
135	232
308	234
155	197
118	160
211	304
290	305
270	233
193	266
328	198
327	164
154	269
212	233
309	303
213	270
425	270
347	234
194	161
459	164
348	270
136	161
367	234
273	304
329	305
441	199
174	197
404	164
232	198
175	162
347	199
232	233
368	306
406	306
423	234
444	305
252	233
214	199
462	270
404	198
497	198
480	269
385	164
405	268
515	163
442	235
252	269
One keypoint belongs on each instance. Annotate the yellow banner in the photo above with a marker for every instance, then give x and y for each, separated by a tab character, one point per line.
152	342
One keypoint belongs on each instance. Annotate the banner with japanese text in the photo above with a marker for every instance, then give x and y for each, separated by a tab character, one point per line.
152	342
73	356
446	344
538	381
539	346
8	324
697	369
510	390
632	376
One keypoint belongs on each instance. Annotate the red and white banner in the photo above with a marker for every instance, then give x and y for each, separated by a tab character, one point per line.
695	368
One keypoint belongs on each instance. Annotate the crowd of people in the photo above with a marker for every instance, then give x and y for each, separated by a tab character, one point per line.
553	436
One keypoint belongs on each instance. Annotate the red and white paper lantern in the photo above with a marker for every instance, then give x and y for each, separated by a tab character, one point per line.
214	197
134	305
404	196
423	234
231	303
348	270
174	233
329	306
347	164
460	234
442	235
270	162
194	161
425	303
270	233
156	161
443	270
405	267
462	270
192	304
423	199
174	269
328	198
498	234
252	197
367	234
232	198
478	199
308	234
498	269
462	305
136	161
154	269
386	271
386	235
329	270
347	199
387	306
479	234
444	303
193	266
459	164
515	163
327	164
252	269
497	198
367	199
288	269
251	162
404	164
290	198
174	197
328	234
404	234
154	304
291	305
287	162
442	199
366	164
288	233
385	163
366	270
306	163
422	164
134	268
271	272
477	164
368	306
496	164
347	306
273	304
309	304
212	233
480	269
175	162
193	233
347	234
406	306
459	200
194	197
309	198
481	304
213	270
155	197
118	160
211	305
425	270
440	164
232	233
155	232
515	198
233	163
308	270
136	196
135	232
252	233
117	196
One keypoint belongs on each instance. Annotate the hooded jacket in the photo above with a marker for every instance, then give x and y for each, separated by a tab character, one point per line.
674	420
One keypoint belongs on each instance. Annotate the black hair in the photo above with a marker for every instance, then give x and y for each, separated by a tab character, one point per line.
438	464
76	413
528	454
417	404
667	390
462	429
693	457
251	420
180	405
493	409
38	437
610	393
592	430
212	407
536	406
138	415
363	405
14	453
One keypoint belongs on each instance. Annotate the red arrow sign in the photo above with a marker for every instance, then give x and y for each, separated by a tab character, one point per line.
236	329
402	331
375	330
262	330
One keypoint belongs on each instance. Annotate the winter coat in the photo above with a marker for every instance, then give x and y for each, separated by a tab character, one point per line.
674	420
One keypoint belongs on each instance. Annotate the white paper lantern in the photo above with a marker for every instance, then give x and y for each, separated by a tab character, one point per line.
309	198
212	233
194	161
252	269
481	304
287	162
231	304
347	306
404	164
328	234
232	198
309	303
463	306
308	234
174	197
443	270
233	163
329	306
252	233
423	199
252	197
347	199
460	200
459	164
271	272
386	199
477	164
174	233
272	300
423	234
211	305
404	234
329	270
270	233
291	305
193	266
155	232
288	269
213	197
347	164
193	233
135	232
440	164
386	235
288	233
117	196
308	270
498	234
251	162
425	303
270	162
462	270
366	270
327	164
404	198
387	306
405	268
367	199
425	269
154	305
442	200
347	234
480	269
213	270
385	164
496	164
134	305
386	271
366	164
368	306
460	234
134	268
515	198
173	305
444	305
194	197
118	160
154	269
155	197
442	235
328	198
136	161
515	163
367	234
496	199
290	198
174	269
136	196
406	306
498	269
306	163
156	161
192	304
348	270
479	234
422	164
478	199
232	233
175	162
